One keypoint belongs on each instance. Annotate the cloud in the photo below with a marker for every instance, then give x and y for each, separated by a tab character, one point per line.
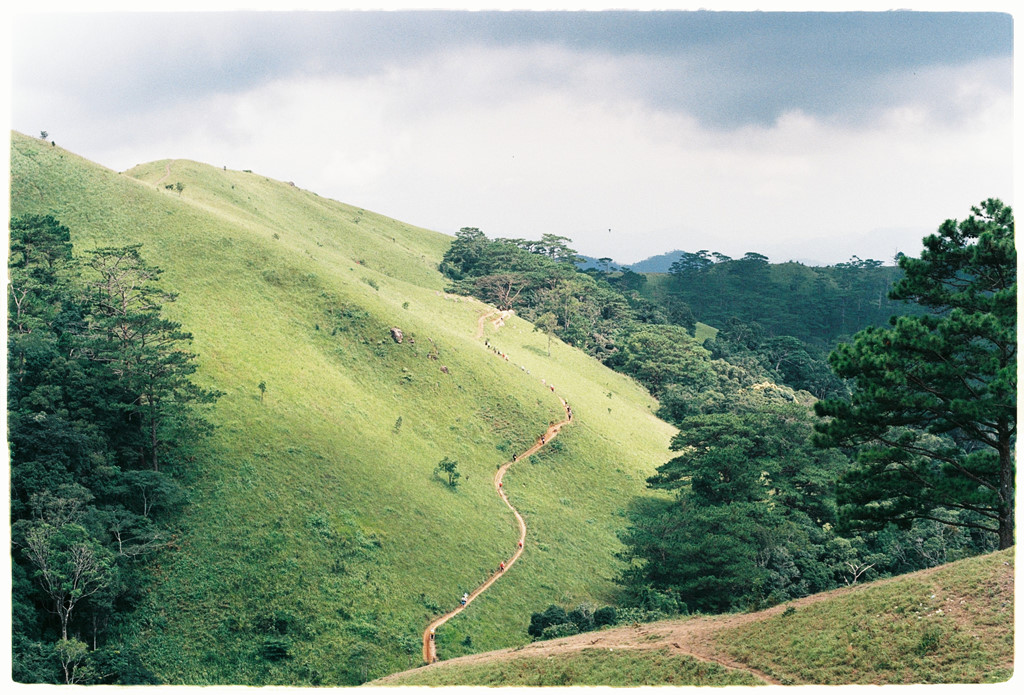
727	69
733	133
473	146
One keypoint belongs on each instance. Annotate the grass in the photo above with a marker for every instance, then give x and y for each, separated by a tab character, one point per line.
952	624
588	667
318	543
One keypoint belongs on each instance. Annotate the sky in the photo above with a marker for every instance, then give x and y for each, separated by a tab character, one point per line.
800	135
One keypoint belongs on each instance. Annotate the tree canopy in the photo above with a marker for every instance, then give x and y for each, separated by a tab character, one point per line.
933	410
101	411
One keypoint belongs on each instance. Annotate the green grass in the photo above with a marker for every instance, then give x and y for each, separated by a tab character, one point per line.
953	624
703	332
308	510
621	667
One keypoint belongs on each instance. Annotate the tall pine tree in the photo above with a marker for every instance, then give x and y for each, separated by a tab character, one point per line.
933	411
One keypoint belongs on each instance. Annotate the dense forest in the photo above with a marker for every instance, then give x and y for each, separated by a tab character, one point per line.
103	424
767	501
817	305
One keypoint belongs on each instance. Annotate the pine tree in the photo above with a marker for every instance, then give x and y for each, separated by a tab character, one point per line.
143	348
933	412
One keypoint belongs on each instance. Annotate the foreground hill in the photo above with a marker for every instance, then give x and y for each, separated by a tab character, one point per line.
948	624
318	541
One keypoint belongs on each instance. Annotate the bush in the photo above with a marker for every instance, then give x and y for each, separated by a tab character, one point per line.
560	630
628	616
553	615
582	617
605	616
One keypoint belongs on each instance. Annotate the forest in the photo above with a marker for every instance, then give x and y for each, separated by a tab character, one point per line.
805	462
103	424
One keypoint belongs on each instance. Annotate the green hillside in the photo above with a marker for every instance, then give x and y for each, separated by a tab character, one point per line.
949	624
315	521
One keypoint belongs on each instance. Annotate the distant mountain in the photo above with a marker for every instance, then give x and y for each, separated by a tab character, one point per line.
588	262
657	264
654	264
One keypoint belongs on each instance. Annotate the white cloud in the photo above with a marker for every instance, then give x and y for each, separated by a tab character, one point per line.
521	142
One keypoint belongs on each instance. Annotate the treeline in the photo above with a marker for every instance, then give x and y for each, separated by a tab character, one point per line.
817	305
606	315
103	422
914	468
758	507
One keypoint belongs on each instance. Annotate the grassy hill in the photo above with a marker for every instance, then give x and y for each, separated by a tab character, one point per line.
949	624
318	543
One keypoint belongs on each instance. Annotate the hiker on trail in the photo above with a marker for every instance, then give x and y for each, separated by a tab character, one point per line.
431	634
520	544
542	439
465	598
515	457
502	568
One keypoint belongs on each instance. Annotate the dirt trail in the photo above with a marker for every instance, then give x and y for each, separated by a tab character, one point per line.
694	637
498	322
429	645
167	173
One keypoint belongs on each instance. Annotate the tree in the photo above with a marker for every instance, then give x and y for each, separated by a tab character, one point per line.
501	289
546	323
40	258
933	410
72	655
449	469
751	514
70	564
557	248
144	349
83	514
465	253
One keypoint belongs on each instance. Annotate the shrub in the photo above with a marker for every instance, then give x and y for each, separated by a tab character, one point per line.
553	615
605	616
582	617
560	630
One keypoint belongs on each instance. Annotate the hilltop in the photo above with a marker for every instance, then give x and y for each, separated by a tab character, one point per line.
948	624
318	542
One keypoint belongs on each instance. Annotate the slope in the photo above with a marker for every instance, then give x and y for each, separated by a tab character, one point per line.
318	542
948	624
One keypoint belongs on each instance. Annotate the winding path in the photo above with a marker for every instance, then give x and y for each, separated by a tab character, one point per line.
166	174
429	644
